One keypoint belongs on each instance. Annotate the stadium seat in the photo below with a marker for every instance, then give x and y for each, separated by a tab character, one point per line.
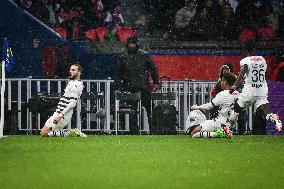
247	34
124	33
91	34
101	32
267	33
61	31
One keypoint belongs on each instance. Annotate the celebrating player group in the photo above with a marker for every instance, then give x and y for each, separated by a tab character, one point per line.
231	102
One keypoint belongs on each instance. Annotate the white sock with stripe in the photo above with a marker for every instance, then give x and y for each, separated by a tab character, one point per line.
58	133
233	117
205	134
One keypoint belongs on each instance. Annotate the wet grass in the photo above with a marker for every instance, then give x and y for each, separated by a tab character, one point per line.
141	162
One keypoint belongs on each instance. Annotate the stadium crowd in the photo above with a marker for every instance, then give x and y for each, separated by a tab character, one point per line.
190	20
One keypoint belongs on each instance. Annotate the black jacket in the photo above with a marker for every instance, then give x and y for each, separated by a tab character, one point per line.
133	72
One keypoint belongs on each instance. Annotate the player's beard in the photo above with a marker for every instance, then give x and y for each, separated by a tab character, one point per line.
72	77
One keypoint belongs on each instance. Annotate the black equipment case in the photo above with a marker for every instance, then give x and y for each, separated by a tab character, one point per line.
164	114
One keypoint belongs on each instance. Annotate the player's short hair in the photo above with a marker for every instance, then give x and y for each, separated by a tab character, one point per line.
230	78
80	69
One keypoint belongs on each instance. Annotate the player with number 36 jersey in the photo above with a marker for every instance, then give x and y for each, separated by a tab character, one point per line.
255	82
255	91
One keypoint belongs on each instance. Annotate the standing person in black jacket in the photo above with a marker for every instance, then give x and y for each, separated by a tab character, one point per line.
134	69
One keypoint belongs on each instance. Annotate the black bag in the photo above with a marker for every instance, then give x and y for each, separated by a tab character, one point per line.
164	115
164	119
43	103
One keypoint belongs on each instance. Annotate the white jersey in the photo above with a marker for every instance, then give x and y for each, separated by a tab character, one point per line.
69	99
225	101
255	82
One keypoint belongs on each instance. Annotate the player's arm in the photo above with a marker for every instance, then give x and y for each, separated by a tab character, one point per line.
206	106
69	106
243	71
217	101
154	72
72	101
120	72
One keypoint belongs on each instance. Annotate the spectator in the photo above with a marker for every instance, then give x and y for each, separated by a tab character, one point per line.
68	17
227	26
114	17
132	10
94	13
153	17
234	3
141	22
272	18
213	8
244	14
164	12
52	8
183	20
268	23
207	16
137	15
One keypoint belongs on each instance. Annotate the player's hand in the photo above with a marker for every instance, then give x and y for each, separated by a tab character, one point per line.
57	118
233	88
194	107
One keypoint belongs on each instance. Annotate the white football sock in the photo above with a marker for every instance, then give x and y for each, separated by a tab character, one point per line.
205	134
58	133
233	117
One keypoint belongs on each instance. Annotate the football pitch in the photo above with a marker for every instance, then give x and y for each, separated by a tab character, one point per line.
28	162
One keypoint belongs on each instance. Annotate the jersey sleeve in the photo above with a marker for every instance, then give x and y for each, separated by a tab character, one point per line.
218	100
243	62
207	106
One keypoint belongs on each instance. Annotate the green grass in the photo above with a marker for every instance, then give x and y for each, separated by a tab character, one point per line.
141	162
